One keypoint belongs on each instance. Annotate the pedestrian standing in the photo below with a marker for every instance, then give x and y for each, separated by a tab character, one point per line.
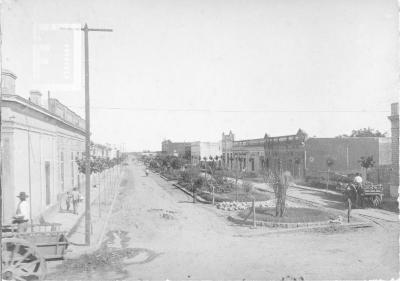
22	213
75	199
68	200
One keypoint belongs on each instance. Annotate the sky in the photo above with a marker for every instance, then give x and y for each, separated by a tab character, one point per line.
189	70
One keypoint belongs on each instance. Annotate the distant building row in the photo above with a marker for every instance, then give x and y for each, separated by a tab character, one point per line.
304	157
196	152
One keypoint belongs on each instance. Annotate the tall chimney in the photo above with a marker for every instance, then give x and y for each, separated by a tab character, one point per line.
35	97
8	82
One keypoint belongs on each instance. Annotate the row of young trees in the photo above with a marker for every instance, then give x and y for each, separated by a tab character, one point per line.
278	180
98	164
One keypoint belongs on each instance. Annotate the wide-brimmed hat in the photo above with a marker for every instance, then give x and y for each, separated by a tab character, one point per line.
22	194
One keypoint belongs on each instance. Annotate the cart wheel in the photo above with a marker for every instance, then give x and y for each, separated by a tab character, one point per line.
377	201
370	201
21	260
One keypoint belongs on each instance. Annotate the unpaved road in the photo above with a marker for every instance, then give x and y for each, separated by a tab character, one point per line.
176	239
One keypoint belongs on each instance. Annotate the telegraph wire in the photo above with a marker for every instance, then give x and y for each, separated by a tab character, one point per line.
229	110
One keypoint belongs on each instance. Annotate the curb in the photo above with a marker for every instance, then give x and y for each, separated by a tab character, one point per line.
198	198
296	226
317	190
165	178
238	220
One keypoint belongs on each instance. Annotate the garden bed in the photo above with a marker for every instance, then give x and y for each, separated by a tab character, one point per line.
170	177
231	196
292	215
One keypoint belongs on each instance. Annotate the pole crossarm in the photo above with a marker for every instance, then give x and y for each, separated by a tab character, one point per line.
99	29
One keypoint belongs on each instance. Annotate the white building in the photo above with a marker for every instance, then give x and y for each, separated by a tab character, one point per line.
201	150
40	141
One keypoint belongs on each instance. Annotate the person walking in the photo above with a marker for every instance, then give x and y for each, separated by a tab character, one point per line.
75	199
22	213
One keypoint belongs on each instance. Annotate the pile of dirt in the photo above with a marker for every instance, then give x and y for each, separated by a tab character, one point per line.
165	214
107	259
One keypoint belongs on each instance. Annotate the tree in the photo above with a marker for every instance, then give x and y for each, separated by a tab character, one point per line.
192	176
329	163
247	186
212	166
366	163
280	182
97	164
364	132
237	175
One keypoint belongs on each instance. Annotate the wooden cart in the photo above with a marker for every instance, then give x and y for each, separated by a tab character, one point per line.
369	195
372	194
24	255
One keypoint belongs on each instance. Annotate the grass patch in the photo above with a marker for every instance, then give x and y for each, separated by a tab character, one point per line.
292	215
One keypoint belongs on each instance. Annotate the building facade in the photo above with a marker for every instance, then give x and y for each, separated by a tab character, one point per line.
39	146
243	155
257	155
227	150
179	149
248	155
286	153
100	150
395	178
202	151
345	155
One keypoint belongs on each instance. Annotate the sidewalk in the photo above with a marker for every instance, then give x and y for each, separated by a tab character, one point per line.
68	221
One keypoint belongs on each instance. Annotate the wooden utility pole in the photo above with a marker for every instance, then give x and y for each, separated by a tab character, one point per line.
86	30
1	156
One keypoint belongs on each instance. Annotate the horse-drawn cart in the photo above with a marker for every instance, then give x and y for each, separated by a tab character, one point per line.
372	194
368	194
24	255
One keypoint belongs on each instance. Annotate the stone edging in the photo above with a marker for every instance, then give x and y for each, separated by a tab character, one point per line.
239	220
198	198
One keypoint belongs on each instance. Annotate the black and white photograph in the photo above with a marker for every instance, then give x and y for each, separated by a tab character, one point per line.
199	140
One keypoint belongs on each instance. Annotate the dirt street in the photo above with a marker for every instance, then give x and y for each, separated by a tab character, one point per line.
162	235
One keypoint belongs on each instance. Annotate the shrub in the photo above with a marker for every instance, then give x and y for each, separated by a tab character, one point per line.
247	186
250	175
